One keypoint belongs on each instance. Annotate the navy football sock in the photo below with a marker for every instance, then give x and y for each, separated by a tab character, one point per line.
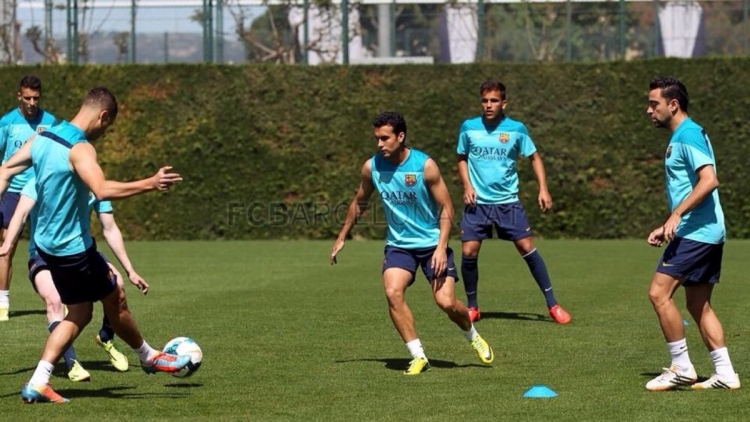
539	271
70	354
470	274
106	333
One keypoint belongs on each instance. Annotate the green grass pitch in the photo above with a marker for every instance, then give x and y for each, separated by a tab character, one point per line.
286	336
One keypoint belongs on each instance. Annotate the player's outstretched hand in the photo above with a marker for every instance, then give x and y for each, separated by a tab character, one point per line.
163	180
138	282
656	237
338	245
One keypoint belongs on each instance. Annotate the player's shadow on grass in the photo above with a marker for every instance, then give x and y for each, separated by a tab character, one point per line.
24	312
106	392
61	371
18	371
522	316
656	374
102	365
119	392
184	385
400	364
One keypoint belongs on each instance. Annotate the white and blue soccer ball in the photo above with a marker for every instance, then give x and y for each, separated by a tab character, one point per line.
181	346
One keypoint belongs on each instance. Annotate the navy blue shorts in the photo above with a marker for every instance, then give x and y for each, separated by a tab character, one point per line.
37	264
692	262
508	220
409	259
8	204
83	277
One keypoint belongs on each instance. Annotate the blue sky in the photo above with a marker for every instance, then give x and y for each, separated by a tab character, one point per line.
107	18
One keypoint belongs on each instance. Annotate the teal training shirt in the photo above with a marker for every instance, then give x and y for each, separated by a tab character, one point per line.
411	212
30	191
492	152
690	149
15	130
63	217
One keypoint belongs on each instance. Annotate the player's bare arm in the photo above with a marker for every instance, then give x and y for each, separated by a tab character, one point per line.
470	195
113	236
356	208
439	191
15	226
17	163
83	161
707	182
544	199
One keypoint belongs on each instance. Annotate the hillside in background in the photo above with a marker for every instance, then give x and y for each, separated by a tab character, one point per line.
150	47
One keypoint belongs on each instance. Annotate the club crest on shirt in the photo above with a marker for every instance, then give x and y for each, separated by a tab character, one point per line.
40	129
669	151
410	179
504	137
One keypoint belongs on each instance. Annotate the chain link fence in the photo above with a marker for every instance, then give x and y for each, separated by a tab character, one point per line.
298	31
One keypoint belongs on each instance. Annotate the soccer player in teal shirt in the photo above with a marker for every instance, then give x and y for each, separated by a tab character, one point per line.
694	231
418	213
41	278
17	126
488	149
67	172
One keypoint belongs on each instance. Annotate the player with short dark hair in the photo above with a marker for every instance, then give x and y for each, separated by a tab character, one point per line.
488	148
16	127
41	278
695	235
419	214
67	172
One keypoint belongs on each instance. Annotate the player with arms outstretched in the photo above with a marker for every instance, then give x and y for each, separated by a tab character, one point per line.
418	213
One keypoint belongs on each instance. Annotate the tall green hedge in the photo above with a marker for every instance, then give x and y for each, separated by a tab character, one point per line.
274	152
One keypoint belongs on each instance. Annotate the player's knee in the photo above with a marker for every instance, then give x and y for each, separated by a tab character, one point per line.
394	295
524	246
469	251
54	307
447	304
80	317
658	297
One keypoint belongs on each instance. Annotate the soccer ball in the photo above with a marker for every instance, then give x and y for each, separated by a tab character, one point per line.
185	346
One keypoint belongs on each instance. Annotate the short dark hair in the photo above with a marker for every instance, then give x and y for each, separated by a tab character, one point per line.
30	82
103	98
392	118
492	85
672	89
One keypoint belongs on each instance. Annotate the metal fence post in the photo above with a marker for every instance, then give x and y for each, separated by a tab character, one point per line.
219	31
745	32
656	29
306	35
131	48
623	17
569	31
481	28
345	30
